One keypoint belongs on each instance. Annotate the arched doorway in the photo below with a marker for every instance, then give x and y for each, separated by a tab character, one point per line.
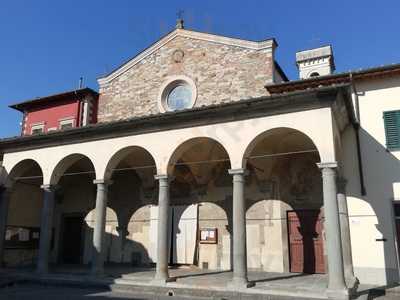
22	234
74	198
201	204
284	200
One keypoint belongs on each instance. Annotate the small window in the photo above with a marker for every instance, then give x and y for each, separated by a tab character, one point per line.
37	129
177	93
392	129
180	97
314	74
66	124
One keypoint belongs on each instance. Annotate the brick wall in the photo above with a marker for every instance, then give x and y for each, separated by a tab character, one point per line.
222	73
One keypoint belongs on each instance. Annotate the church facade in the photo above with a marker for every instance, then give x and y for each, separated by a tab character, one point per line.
205	154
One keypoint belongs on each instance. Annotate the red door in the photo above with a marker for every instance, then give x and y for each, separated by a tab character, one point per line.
305	241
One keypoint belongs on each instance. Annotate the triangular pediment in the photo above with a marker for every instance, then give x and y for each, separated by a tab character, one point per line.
246	44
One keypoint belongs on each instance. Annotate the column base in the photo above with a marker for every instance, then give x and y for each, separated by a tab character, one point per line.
240	284
162	281
352	284
338	294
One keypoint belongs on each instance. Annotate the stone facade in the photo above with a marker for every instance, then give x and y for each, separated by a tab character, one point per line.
221	72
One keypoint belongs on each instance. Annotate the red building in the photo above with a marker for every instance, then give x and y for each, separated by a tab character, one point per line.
70	109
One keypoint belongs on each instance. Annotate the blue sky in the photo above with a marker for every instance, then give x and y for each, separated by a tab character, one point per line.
46	45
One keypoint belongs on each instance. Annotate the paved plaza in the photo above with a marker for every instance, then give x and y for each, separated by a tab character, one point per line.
124	282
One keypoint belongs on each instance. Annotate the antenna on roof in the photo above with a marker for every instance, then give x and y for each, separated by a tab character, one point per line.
179	21
80	82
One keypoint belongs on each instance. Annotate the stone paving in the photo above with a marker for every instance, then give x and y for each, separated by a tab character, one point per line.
37	292
125	280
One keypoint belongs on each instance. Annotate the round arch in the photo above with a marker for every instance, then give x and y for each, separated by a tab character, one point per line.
23	167
142	158
67	162
197	144
278	138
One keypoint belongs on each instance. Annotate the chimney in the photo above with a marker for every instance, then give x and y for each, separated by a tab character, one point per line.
315	62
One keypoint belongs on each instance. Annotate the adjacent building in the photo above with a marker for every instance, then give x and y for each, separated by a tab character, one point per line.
205	154
58	112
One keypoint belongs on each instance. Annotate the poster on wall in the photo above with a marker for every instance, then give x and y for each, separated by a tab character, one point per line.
22	237
208	236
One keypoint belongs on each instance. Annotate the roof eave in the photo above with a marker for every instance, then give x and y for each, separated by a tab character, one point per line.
233	111
20	106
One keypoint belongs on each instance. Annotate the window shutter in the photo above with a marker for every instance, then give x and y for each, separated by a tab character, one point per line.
392	129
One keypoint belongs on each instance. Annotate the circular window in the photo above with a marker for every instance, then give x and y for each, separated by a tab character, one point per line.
178	93
180	97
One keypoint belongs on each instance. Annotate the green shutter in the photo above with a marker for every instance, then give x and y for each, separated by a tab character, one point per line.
392	129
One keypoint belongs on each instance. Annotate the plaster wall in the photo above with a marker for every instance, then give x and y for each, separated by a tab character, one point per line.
50	115
24	211
235	137
371	215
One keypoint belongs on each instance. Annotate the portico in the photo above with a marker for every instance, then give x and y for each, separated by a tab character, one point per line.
133	178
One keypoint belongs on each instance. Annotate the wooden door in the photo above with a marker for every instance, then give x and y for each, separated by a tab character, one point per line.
305	241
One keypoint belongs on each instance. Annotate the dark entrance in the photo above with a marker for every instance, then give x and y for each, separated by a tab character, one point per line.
72	239
305	241
397	220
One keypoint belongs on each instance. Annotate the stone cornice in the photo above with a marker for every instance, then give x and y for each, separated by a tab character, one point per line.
253	45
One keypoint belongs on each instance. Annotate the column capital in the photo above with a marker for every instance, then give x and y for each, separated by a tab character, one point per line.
49	187
241	171
329	165
103	181
161	177
6	190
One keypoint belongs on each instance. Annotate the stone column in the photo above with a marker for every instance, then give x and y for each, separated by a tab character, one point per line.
336	283
122	234
46	228
239	230
162	275
99	227
345	232
4	204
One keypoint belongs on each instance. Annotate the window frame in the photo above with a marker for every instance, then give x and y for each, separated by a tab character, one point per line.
36	126
66	121
171	83
389	135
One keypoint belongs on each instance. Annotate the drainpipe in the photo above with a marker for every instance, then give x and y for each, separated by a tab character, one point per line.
355	100
23	123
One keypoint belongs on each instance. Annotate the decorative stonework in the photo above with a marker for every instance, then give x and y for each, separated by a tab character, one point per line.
221	72
178	56
169	84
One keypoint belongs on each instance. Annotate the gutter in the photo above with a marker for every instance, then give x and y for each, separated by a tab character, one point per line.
357	124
